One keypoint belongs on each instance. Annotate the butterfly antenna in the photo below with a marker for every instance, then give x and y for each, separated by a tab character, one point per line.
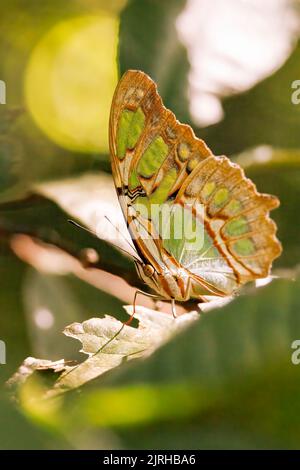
82	227
120	233
95	235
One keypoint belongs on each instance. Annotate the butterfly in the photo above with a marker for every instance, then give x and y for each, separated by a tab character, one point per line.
165	175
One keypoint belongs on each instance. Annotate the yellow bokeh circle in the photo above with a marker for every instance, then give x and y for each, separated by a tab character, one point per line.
70	80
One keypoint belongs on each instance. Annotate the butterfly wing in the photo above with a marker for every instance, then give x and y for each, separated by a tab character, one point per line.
240	240
158	162
151	152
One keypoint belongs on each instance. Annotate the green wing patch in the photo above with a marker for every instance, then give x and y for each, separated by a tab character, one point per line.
130	128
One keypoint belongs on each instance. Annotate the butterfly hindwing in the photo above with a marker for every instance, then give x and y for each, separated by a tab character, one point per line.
236	216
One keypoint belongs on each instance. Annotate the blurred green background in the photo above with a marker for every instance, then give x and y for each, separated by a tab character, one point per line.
227	69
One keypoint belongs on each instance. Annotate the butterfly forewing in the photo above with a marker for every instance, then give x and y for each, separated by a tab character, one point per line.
148	145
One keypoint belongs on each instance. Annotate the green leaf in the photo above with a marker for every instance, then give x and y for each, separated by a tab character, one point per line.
232	370
263	115
8	117
236	364
89	199
18	432
53	301
151	44
12	322
10	150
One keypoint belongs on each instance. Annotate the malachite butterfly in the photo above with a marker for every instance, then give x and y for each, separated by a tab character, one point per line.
159	166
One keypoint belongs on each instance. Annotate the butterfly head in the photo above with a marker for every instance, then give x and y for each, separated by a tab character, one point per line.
145	270
163	282
148	274
148	270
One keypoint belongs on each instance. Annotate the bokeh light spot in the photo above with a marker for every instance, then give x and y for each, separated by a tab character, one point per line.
44	319
70	80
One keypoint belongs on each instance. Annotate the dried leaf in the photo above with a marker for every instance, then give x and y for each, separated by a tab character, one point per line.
108	343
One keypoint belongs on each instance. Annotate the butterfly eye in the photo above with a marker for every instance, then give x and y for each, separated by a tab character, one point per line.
148	270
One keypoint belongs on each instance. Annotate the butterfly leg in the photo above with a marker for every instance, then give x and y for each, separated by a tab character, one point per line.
173	306
127	323
137	292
